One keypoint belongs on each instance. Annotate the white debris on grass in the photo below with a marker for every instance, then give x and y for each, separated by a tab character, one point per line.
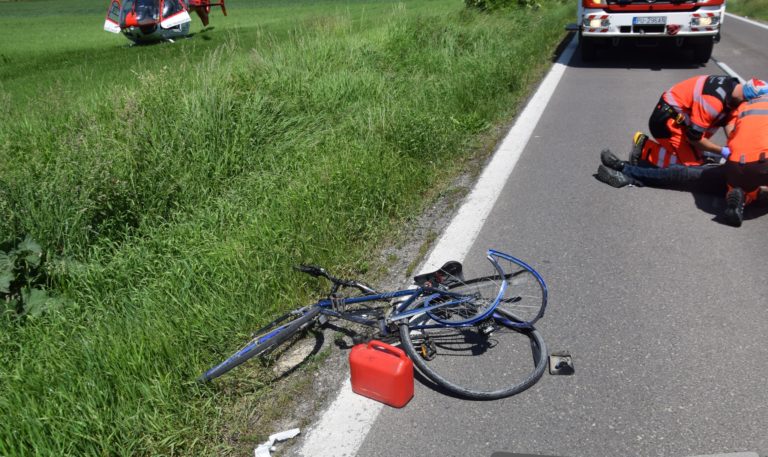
263	449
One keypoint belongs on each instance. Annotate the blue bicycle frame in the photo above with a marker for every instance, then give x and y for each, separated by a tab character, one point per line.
432	299
429	293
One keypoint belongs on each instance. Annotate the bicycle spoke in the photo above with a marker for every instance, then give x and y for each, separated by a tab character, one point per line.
481	343
475	364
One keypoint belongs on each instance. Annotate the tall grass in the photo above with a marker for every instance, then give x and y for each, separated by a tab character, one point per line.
179	205
752	8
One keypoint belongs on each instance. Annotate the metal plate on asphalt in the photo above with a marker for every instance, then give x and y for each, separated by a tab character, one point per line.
561	363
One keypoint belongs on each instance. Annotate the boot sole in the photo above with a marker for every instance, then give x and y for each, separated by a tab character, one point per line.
638	141
612	180
732	217
734	208
611	161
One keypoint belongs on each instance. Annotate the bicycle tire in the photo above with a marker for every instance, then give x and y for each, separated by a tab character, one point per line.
524	296
455	364
539	350
259	345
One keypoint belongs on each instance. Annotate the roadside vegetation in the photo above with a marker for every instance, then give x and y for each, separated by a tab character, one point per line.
154	198
756	9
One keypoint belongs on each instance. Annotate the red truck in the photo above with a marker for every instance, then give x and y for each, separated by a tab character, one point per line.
691	24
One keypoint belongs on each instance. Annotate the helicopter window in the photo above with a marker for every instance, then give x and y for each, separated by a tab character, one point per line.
147	10
171	7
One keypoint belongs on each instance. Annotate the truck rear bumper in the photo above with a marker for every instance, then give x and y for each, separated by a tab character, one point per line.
600	24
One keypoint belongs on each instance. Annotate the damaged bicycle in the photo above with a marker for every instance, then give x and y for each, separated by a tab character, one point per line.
473	337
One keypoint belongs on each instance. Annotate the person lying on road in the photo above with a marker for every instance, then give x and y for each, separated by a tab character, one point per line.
684	119
744	171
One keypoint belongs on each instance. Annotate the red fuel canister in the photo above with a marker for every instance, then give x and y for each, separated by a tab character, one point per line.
381	372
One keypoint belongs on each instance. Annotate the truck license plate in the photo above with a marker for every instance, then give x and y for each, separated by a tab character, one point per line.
649	20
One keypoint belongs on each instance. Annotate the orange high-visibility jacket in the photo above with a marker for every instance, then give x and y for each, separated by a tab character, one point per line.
702	100
749	140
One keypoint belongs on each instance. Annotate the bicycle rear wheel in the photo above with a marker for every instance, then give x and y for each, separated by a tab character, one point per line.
511	285
266	338
473	363
486	359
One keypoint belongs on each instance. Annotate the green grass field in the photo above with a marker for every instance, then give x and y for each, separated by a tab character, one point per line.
171	188
756	9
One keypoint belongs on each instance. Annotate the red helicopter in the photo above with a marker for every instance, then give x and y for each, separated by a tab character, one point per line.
150	21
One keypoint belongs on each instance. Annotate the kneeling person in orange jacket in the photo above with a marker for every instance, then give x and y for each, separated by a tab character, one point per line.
684	119
669	169
746	167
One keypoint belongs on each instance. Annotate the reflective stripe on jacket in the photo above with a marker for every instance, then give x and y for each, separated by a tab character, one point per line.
703	102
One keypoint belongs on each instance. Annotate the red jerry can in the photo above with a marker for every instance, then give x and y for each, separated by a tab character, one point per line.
381	372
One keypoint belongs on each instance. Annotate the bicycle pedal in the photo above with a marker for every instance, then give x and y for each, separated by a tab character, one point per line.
322	319
428	351
561	363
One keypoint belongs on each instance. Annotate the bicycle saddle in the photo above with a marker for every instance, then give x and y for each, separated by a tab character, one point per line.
449	273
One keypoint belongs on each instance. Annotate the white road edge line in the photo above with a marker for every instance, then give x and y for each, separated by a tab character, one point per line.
729	70
460	235
725	66
749	21
345	424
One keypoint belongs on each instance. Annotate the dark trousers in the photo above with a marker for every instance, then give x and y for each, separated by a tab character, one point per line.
706	178
748	176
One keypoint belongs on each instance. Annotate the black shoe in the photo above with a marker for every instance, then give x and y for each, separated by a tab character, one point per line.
638	141
734	207
615	178
611	161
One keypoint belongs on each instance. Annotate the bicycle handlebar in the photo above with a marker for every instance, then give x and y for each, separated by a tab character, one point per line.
312	270
316	271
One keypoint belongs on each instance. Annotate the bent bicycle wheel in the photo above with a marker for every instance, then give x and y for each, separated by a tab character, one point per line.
485	348
481	362
266	338
510	284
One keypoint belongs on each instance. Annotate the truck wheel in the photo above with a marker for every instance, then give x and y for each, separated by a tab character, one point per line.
702	50
588	48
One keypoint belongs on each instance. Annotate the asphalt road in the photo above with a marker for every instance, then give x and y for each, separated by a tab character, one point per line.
662	306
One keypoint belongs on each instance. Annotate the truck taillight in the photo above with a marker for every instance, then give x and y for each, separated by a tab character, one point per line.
593	3
699	20
593	21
